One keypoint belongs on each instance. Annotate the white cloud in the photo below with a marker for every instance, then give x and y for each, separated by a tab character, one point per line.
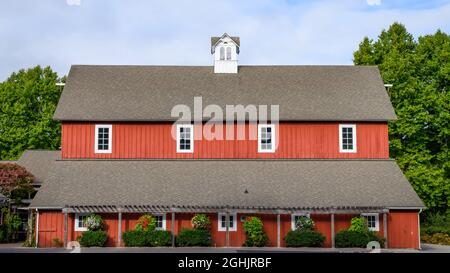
373	2
73	2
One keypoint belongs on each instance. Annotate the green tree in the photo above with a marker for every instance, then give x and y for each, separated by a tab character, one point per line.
28	100
420	74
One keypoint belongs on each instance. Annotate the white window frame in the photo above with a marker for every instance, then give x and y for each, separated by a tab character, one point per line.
163	221
273	133
97	127
297	214
353	126
219	222
191	150
377	220
77	228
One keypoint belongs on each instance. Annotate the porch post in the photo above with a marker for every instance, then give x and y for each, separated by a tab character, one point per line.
65	227
37	228
227	225
173	229
30	227
332	230
119	228
278	230
385	230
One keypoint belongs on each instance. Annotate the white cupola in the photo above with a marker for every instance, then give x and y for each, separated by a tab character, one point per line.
225	50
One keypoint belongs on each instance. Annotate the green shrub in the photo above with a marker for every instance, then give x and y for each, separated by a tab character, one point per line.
158	238
146	222
134	238
254	231
3	232
436	238
304	223
349	238
308	238
93	222
194	237
93	238
139	238
435	229
359	224
201	221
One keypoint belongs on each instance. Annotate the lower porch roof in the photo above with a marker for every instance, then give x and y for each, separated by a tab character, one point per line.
221	185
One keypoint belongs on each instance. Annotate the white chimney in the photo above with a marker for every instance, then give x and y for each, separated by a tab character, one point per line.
225	50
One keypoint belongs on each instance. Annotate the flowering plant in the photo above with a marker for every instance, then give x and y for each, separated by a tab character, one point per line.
146	223
201	221
93	222
304	223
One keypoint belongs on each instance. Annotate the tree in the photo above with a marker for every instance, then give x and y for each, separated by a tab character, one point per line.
15	181
28	100
420	74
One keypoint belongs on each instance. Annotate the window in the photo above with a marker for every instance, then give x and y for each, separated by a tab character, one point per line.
295	218
160	221
222	53
372	221
79	222
185	138
266	138
228	53
223	220
347	138
103	139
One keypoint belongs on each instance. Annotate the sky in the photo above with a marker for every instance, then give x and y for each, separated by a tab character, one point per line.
60	33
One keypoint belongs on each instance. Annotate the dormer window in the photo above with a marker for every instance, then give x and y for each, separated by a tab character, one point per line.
228	53
222	53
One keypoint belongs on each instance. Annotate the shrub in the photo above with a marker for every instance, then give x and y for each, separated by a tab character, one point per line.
56	242
359	224
308	238
350	238
304	223
158	238
436	238
194	237
435	229
94	222
253	227
201	221
146	222
3	232
134	238
93	238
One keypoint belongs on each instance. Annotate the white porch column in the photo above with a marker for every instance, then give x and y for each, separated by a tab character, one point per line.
227	225
173	229
332	231
66	226
385	229
119	228
278	230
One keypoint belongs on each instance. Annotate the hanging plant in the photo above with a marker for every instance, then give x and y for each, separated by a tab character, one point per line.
146	223
304	223
201	221
94	222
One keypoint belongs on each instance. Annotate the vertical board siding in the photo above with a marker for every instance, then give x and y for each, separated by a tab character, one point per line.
403	229
154	140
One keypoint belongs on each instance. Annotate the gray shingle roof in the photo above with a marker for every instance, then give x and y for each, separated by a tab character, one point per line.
270	183
38	162
148	93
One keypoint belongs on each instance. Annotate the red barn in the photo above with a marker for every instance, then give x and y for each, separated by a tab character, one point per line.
321	151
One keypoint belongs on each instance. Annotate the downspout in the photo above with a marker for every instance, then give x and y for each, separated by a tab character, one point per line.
37	228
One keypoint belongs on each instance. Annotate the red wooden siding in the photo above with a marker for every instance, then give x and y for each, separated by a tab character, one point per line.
403	229
154	140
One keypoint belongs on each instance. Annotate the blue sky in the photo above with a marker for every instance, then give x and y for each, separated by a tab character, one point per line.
64	32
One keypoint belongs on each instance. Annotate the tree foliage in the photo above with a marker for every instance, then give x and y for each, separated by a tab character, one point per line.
28	100
15	179
420	73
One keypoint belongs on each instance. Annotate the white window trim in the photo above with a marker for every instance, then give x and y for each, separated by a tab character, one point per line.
353	126
219	221
272	126
377	220
163	221
98	126
77	228
191	150
293	218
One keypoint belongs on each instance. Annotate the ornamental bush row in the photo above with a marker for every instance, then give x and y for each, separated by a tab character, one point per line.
147	238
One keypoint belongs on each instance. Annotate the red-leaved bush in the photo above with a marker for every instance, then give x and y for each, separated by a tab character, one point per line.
13	176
